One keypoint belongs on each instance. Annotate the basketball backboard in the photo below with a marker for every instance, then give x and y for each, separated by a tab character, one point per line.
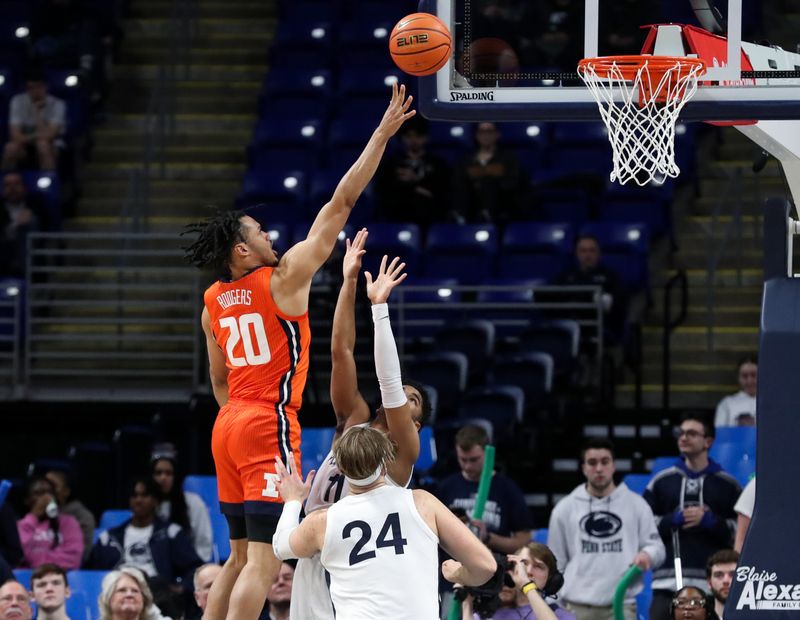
516	59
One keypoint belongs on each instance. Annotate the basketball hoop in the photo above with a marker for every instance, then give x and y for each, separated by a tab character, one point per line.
641	125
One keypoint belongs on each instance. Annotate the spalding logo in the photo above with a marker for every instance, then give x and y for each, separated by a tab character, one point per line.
412	39
601	524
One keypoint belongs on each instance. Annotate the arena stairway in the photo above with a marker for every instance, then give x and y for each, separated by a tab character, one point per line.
215	108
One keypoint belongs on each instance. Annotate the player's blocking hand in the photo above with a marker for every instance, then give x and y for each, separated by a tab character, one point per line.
397	112
351	264
387	278
289	483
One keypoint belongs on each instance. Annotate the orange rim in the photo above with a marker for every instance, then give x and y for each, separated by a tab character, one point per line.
629	66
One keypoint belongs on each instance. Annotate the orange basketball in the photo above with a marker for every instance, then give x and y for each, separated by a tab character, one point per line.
420	44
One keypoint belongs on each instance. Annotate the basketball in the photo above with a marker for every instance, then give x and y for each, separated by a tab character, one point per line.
420	44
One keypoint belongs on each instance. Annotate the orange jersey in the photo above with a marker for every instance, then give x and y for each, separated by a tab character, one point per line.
265	350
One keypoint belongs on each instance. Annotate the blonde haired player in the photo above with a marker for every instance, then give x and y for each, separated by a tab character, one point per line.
380	543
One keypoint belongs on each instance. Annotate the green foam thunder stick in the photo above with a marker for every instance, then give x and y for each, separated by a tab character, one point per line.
484	486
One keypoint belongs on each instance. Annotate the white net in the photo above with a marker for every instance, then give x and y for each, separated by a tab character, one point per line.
641	125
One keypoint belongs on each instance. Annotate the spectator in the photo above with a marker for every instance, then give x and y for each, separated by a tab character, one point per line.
50	592
125	595
691	603
204	578
69	505
15	602
161	550
488	181
178	506
740	409
533	563
720	570
46	534
744	512
413	185
10	547
20	214
280	594
36	126
597	532
693	503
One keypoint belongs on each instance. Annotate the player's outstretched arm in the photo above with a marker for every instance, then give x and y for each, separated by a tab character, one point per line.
217	370
293	539
473	563
403	429
348	403
304	259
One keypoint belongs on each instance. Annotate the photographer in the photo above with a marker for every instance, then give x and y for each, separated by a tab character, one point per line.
531	577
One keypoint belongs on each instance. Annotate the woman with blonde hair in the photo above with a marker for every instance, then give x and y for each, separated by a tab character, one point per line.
125	595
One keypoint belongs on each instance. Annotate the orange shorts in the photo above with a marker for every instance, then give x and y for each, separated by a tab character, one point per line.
247	437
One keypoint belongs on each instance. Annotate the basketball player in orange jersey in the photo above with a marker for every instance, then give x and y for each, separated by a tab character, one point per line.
257	334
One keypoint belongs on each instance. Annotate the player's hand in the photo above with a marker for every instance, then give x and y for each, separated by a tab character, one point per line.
397	113
519	574
451	570
289	483
388	277
351	264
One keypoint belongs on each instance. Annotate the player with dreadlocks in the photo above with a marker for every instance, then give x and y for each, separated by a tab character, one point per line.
257	334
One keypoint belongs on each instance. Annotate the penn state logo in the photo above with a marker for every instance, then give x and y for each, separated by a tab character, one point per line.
601	524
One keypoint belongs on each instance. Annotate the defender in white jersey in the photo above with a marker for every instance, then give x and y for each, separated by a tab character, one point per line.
402	423
379	544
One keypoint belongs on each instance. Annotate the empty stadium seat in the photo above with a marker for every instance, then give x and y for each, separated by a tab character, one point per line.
424	322
744	436
535	250
464	251
89	584
206	488
312	83
475	339
560	338
23	575
79	607
664	462
446	371
533	372
315	444
221	537
502	405
427	450
540	535
511	321
374	82
569	206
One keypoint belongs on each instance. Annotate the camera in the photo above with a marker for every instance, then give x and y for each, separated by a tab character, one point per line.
486	597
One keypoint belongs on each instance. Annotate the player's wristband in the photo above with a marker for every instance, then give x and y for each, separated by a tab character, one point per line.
528	587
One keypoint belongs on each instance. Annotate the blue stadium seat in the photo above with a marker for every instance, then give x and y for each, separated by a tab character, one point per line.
12	301
569	206
374	82
579	134
300	233
637	482
47	185
566	161
67	85
113	518
427	450
559	338
89	584
313	83
502	405
533	372
367	33
314	446
380	9
403	240
283	194
301	128
351	131
663	462
625	248
447	134
221	536
529	136
425	322
206	488
540	535
23	575
314	35
735	460
535	250
645	598
464	251
299	58
744	436
475	339
651	213
446	371
79	607
298	11
510	321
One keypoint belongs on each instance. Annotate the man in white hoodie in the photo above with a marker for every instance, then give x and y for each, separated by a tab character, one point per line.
597	532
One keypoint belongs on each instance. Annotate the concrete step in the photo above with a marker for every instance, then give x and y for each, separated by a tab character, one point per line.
726	356
733	258
255	55
694	231
109	137
682	396
723	278
147	39
185	123
131	154
203	190
174	170
698	314
692	336
723	296
210	72
682	373
177	206
706	205
154	26
113	223
230	9
752	189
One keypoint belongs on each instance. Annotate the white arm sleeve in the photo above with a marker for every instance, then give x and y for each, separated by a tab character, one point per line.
387	362
290	519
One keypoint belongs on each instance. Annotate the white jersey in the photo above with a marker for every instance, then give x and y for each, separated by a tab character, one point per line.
382	557
328	487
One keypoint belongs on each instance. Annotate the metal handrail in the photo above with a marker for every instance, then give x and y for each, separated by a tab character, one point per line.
668	326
